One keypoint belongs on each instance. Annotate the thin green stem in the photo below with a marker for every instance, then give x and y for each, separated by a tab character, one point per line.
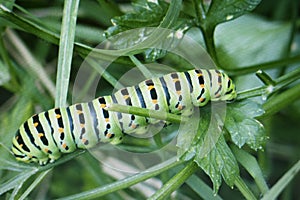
127	182
199	10
244	189
23	55
34	184
172	14
267	65
281	100
162	115
280	83
63	159
103	73
16	181
13	84
66	45
293	32
175	182
265	78
208	35
289	77
283	182
259	91
201	188
251	165
28	26
141	67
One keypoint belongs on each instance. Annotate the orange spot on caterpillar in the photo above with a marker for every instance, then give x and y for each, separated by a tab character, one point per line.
60	130
46	150
179	107
108	135
35	124
79	112
64	145
40	135
82	125
102	105
202	85
106	119
57	116
154	101
150	87
133	126
201	99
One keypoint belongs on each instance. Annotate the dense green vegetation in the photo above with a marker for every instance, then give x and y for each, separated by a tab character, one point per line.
46	46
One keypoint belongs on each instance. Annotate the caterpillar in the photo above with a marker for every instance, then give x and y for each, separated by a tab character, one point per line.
44	137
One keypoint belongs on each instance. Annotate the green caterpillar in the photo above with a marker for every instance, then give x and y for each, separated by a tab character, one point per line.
44	137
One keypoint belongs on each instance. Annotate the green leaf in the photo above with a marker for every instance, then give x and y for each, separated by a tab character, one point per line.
225	10
242	125
187	133
220	162
249	40
148	14
207	145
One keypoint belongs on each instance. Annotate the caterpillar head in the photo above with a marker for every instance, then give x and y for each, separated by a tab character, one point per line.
229	94
222	88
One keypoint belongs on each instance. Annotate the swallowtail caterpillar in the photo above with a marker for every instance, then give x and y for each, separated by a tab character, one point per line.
44	137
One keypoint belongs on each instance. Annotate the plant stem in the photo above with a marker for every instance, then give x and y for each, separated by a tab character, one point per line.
268	65
280	82
281	100
243	188
34	184
175	182
283	182
147	74
199	10
162	115
208	35
289	77
13	84
250	164
265	78
66	45
61	160
127	182
23	55
172	14
259	91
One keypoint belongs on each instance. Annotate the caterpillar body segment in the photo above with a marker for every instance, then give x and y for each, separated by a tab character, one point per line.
46	136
